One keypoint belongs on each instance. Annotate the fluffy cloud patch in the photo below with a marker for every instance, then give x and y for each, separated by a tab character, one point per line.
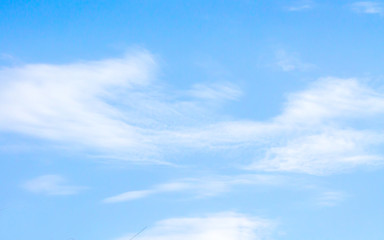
70	102
224	226
326	129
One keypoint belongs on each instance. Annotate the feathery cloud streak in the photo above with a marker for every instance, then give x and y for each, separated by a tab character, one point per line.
202	187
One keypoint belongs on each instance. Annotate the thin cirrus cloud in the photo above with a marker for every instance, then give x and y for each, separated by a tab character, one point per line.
51	185
368	7
199	187
225	226
119	108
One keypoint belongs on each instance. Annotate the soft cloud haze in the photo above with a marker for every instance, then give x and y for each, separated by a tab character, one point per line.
68	102
315	132
331	198
302	5
51	185
368	7
291	62
191	120
226	226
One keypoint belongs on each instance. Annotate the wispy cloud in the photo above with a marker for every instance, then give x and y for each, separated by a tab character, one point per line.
112	106
325	152
116	107
51	185
330	198
291	62
218	91
323	129
8	58
368	7
225	226
317	134
301	6
199	187
69	102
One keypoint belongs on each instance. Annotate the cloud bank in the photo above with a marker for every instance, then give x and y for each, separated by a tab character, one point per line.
117	107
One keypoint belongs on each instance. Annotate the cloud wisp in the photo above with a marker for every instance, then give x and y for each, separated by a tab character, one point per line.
301	6
322	130
198	187
330	198
51	185
291	62
225	226
368	7
113	106
69	102
319	133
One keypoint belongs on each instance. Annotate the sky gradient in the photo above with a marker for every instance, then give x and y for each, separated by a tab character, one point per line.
232	120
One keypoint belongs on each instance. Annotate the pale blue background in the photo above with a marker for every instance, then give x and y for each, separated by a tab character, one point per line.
237	40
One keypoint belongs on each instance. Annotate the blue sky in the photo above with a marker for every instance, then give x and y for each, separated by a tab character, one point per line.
233	120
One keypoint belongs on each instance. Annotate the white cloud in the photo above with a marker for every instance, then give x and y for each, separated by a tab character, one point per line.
51	185
291	62
200	187
224	226
301	6
69	102
326	152
316	134
163	188
323	129
116	108
332	99
368	7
